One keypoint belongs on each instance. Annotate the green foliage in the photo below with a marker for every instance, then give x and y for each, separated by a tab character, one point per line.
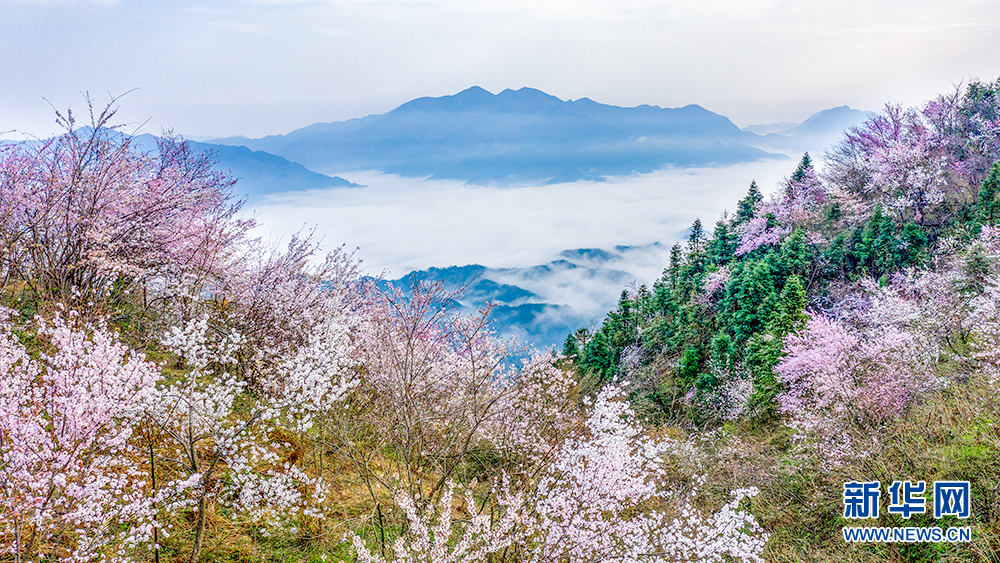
721	247
795	256
764	351
790	314
689	366
747	206
570	348
988	204
722	351
800	172
876	248
750	300
696	237
598	358
621	325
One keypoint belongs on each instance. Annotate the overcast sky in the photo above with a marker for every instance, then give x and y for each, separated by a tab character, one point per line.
255	67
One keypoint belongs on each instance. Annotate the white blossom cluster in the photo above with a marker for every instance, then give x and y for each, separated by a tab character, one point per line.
605	495
208	407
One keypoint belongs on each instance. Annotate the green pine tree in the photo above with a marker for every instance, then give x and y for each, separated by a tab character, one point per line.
765	350
722	246
747	206
795	255
570	348
800	172
598	358
750	300
988	205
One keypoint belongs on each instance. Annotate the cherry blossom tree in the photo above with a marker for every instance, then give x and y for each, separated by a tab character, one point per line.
73	488
275	299
838	379
593	501
87	210
715	284
589	503
756	233
431	383
216	436
901	160
480	539
799	203
966	122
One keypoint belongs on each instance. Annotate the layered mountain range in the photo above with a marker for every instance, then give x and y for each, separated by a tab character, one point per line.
530	303
528	136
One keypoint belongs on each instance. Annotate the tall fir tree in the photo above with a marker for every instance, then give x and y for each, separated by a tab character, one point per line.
747	207
800	172
570	347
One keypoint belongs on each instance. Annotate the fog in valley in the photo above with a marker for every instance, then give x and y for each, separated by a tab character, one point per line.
403	224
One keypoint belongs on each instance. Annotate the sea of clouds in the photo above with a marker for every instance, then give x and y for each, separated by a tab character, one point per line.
403	224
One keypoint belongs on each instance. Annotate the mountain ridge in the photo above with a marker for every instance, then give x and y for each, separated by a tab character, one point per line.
515	136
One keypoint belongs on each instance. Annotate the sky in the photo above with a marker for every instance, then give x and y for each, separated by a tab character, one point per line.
254	67
212	68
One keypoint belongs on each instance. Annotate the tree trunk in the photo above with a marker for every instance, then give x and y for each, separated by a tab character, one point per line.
199	532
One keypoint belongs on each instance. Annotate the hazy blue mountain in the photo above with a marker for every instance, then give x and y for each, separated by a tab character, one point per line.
816	133
543	325
831	121
515	136
541	304
476	288
258	173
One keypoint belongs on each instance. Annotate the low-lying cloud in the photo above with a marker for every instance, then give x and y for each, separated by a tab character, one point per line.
403	224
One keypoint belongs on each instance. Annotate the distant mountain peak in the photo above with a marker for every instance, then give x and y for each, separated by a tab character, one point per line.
522	136
526	93
830	121
474	90
470	97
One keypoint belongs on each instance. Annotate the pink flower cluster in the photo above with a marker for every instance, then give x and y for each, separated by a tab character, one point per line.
589	505
85	209
836	377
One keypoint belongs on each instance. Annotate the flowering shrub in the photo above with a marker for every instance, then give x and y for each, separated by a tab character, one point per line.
755	233
598	498
602	496
714	282
536	411
836	378
481	537
277	299
431	382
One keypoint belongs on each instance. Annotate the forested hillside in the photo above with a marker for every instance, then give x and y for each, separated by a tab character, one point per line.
893	243
846	325
173	389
